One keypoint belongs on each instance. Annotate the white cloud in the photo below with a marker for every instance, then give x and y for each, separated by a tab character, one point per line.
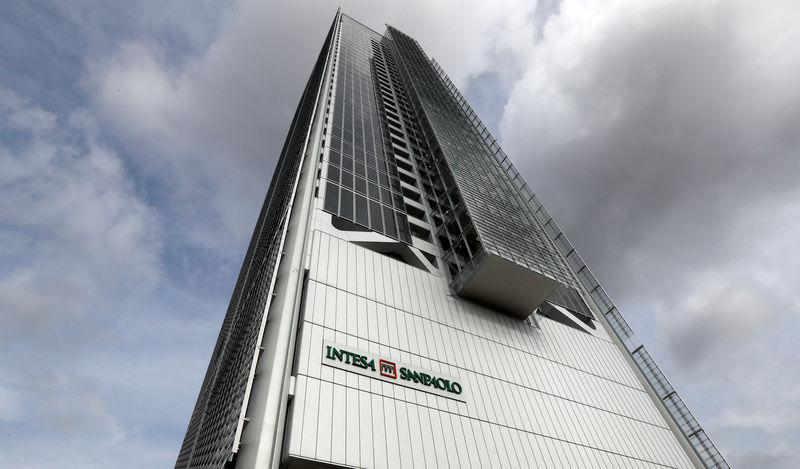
718	320
69	196
663	137
82	243
199	128
660	134
773	420
138	90
212	126
646	123
12	405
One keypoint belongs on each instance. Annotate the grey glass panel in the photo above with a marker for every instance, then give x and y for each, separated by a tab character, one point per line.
335	157
389	226
333	173
403	228
362	210
346	205
570	298
356	126
469	180
361	185
376	223
332	198
347	179
374	191
347	163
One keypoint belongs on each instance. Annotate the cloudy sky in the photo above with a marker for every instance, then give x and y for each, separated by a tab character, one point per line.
137	140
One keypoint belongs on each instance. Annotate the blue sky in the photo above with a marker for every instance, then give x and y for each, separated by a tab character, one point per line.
137	141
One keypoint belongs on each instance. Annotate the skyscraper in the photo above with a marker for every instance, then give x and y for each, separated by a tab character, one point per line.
406	301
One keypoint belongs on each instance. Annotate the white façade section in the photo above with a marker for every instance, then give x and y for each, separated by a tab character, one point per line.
258	438
547	396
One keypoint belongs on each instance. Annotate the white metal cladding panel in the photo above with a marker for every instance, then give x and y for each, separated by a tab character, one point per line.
548	397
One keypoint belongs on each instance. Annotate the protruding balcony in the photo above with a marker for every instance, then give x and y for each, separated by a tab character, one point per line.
506	286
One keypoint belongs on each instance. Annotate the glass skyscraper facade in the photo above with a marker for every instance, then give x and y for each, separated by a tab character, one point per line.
406	300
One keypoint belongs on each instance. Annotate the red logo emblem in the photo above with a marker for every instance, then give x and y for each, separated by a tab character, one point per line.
388	368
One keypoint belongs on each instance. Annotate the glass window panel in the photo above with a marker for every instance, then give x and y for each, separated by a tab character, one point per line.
333	173
403	229
347	163
347	179
398	200
373	191
362	210
386	196
335	157
375	220
347	204
332	198
361	185
360	169
388	217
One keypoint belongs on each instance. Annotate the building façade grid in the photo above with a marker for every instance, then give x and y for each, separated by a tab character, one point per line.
412	201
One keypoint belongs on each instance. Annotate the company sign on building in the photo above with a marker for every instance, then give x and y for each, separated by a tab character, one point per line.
392	371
